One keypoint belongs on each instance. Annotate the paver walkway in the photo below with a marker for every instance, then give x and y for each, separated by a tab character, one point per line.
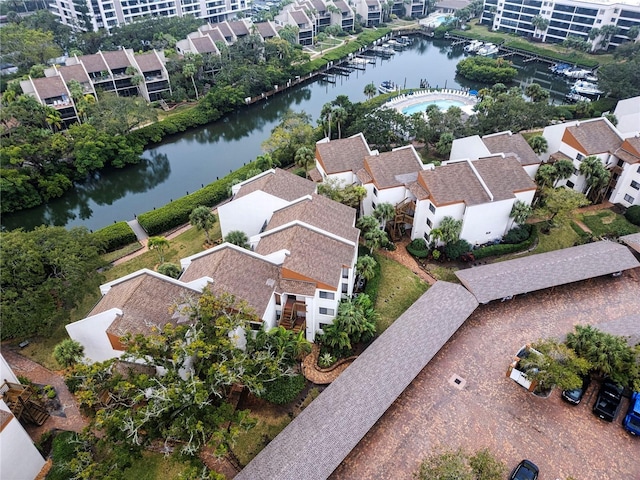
402	256
320	377
70	419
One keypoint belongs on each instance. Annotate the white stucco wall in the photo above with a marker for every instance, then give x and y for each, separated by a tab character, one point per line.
531	170
6	373
248	213
468	147
485	222
553	134
19	458
630	173
91	333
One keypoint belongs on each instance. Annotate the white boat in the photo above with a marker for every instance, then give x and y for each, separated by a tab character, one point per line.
474	46
576	97
488	49
591	78
388	87
578	74
585	88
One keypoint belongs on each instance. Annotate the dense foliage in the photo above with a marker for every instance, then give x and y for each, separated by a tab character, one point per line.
44	274
284	389
633	214
113	237
486	70
418	248
506	248
518	234
460	465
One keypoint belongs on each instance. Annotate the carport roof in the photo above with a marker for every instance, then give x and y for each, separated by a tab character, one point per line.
536	272
316	442
632	241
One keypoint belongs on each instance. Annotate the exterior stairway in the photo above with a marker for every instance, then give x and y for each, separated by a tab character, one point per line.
23	403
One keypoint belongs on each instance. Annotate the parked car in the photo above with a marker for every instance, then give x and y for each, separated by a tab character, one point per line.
574	396
526	470
631	421
609	401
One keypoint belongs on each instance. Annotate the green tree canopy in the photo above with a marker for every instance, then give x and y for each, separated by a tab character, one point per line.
203	219
237	237
350	195
460	465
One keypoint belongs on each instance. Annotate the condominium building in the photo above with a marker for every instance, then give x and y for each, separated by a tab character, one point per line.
108	14
565	18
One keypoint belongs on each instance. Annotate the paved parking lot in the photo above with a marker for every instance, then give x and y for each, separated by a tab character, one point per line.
493	411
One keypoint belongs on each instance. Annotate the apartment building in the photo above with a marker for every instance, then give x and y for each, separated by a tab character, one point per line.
108	14
566	18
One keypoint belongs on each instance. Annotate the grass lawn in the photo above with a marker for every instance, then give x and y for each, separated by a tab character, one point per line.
399	288
154	465
606	223
269	424
562	236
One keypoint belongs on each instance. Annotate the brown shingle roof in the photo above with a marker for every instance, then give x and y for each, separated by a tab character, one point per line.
116	59
73	72
313	255
320	212
316	441
50	87
595	136
225	30
93	63
343	155
238	272
456	182
266	30
145	301
511	144
342	5
545	270
393	169
216	35
204	44
279	183
300	18
419	192
148	62
239	28
554	157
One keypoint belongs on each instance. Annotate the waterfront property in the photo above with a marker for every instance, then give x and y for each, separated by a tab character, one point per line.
300	264
420	100
576	18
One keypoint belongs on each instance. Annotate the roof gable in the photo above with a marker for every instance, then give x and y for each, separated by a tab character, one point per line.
279	183
395	168
592	137
342	155
513	145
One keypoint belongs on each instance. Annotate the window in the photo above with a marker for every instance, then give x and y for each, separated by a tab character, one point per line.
570	184
373	205
635	185
426	236
432	208
429	223
327	295
345	288
255	325
327	311
579	157
345	273
375	191
323	325
638	170
628	198
620	163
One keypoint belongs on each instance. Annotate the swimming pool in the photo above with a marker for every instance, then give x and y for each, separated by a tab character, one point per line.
443	105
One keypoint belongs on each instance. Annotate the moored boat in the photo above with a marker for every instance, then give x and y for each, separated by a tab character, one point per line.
488	49
388	86
585	88
473	46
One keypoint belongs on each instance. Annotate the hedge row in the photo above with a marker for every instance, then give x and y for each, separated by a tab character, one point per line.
116	236
177	213
418	248
506	248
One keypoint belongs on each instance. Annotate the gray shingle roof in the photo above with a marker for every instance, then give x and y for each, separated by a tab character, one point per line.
281	184
393	169
632	241
73	72
148	62
93	63
116	59
266	30
204	44
343	155
50	87
595	137
314	444
545	270
511	144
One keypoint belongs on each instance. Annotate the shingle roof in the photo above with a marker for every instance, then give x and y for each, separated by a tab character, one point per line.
419	192
239	28
300	18
511	144
238	272
116	59
316	441
393	169
313	255
73	72
225	30
554	157
279	183
343	155
266	30
145	301
629	152
320	212
216	35
595	136
457	182
93	63
536	272
204	44
632	241
50	87
148	62
342	5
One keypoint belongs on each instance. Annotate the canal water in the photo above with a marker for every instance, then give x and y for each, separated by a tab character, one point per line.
184	163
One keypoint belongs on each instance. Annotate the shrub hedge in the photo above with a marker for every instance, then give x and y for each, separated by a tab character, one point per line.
505	248
633	214
418	248
177	212
517	234
116	236
284	389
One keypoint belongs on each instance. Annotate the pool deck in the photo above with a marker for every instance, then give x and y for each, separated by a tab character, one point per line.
422	96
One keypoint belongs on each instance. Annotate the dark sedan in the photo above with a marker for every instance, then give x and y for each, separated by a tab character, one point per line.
574	396
526	470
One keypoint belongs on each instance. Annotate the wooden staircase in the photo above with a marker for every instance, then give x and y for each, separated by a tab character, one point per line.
405	211
23	403
290	318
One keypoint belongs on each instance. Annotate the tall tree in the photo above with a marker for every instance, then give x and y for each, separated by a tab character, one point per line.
450	229
203	219
520	212
384	212
189	70
303	158
293	132
160	245
540	23
370	90
366	266
559	202
597	176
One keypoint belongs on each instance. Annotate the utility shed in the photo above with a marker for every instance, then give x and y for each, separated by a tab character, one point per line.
316	442
536	272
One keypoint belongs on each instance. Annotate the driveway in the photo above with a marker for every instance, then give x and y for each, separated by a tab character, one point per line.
493	411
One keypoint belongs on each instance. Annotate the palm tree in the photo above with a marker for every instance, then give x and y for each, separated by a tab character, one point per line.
159	244
563	170
368	222
540	23
375	238
536	93
546	175
303	157
366	267
203	219
384	212
340	115
326	118
370	90
538	144
53	118
237	237
520	212
597	176
450	229
189	70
